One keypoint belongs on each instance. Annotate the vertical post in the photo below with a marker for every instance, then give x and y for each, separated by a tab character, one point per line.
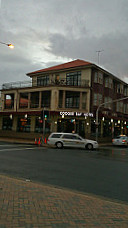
43	124
97	112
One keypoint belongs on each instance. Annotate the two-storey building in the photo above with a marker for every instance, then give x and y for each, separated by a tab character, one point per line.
65	98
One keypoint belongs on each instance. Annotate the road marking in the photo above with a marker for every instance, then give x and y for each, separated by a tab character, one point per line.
21	149
12	145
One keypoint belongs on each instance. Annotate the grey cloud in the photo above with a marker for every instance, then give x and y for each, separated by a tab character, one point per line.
113	58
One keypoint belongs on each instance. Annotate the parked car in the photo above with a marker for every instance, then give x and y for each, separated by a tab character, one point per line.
121	140
61	140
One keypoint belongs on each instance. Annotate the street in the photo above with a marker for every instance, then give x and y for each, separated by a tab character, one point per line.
103	172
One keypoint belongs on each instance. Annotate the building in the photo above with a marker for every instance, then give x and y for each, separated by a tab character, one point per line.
65	98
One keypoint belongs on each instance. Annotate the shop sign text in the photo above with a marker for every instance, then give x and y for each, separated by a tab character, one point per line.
76	114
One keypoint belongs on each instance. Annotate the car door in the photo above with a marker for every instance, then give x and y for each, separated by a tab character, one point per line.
78	142
67	140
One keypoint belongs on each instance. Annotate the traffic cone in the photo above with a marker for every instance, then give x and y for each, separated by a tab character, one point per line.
45	141
39	142
35	141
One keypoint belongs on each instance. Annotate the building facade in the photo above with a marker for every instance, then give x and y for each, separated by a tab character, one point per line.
65	98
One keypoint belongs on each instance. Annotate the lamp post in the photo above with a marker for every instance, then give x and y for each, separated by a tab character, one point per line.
97	112
9	45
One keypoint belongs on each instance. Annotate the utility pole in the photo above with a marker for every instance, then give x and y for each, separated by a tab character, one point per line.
98	52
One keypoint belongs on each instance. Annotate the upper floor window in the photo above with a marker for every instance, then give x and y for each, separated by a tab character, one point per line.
126	108
9	101
126	91
72	99
43	80
120	88
108	83
98	77
120	107
73	78
97	99
107	100
23	101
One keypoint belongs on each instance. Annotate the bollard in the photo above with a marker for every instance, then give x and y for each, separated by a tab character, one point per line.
35	141
39	142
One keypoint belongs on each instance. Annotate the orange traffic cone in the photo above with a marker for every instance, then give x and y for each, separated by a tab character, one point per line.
45	141
35	141
39	142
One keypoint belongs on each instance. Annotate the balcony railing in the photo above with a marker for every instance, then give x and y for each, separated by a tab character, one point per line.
61	82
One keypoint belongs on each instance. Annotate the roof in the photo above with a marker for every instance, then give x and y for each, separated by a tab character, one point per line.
72	64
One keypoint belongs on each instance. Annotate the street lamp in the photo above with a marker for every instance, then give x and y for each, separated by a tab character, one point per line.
97	112
9	45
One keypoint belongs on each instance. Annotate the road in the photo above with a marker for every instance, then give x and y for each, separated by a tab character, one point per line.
103	172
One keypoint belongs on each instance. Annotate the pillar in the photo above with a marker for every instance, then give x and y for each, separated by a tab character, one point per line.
33	120
1	122
102	128
14	124
63	102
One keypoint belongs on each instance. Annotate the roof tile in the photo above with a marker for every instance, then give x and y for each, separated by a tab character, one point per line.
75	63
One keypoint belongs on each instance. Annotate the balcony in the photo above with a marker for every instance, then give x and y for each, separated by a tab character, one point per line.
31	84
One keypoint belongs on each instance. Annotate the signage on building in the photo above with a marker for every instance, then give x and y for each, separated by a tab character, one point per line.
76	114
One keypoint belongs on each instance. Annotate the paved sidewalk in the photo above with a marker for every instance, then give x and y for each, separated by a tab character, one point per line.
32	205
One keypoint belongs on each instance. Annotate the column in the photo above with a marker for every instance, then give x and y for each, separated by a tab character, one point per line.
102	128
80	105
29	100
63	103
14	124
33	120
40	98
1	122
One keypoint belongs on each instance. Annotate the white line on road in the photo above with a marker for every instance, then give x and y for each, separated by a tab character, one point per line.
12	149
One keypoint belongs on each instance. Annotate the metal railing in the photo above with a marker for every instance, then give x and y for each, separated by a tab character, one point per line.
34	83
13	85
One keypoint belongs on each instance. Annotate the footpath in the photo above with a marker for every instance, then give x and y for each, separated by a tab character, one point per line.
26	204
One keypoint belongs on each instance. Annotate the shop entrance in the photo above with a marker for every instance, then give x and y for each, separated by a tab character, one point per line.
66	126
71	126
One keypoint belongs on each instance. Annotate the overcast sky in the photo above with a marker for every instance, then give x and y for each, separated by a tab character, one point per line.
50	32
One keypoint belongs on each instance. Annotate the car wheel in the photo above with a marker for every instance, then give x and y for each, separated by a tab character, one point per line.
89	146
59	145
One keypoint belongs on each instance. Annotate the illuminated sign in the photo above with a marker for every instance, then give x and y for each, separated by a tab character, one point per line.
76	114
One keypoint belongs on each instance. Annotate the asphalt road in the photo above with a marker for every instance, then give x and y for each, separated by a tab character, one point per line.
103	172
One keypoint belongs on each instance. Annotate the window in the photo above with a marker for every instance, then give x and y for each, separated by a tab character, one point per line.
126	91
7	123
73	79
72	100
109	105
9	101
43	80
67	136
56	135
45	99
23	100
108	83
97	99
76	137
34	100
98	77
126	108
120	88
23	124
39	125
120	107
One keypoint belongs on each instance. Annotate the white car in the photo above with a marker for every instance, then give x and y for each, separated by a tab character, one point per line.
120	140
61	140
